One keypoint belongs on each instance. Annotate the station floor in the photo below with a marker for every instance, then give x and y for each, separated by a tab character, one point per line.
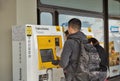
117	78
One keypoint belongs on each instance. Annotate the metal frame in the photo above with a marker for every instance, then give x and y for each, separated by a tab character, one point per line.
71	10
63	10
88	13
106	27
55	13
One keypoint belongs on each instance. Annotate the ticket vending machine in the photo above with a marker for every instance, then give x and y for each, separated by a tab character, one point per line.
33	48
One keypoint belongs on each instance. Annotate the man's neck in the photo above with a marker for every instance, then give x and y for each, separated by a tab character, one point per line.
72	32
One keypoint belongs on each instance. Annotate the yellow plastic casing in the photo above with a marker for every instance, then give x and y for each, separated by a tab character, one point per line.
47	42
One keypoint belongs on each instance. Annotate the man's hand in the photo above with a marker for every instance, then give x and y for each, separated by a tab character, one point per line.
55	62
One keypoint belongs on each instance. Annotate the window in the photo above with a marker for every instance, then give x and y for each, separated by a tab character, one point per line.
90	5
114	7
88	23
114	47
46	18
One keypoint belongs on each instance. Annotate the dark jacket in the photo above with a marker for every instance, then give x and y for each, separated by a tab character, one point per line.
70	53
103	56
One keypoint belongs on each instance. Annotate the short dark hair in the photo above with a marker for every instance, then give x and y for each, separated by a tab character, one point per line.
75	23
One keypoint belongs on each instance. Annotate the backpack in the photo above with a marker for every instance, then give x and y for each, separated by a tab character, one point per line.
88	63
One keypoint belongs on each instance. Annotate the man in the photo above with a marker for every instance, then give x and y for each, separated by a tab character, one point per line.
71	49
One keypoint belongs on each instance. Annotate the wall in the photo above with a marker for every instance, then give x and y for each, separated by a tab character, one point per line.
7	19
26	12
12	12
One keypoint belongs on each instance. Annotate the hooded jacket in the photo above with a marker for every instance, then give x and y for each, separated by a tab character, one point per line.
70	53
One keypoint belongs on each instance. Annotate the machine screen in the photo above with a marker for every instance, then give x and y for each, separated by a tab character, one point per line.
46	55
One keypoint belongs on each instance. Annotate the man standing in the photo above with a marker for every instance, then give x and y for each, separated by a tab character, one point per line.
71	49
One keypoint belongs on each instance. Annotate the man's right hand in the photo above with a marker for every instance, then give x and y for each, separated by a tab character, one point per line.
55	62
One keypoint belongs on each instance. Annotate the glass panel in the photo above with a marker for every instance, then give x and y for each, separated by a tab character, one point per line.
46	18
114	47
90	26
91	5
114	7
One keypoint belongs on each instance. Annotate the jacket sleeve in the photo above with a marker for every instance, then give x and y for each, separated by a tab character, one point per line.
66	53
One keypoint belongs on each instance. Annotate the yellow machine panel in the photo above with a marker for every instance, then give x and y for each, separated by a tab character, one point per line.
47	50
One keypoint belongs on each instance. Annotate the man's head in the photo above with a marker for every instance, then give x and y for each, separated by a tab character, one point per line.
74	25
